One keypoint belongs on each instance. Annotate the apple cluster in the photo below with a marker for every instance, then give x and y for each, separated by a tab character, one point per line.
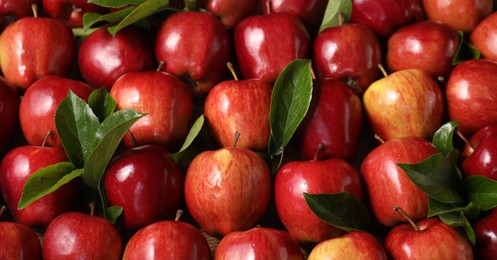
386	76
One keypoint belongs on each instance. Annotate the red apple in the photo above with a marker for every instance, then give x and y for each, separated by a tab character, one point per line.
310	12
103	58
18	241
479	154
147	183
167	239
484	37
416	10
39	104
17	8
486	232
194	46
350	52
258	243
314	177
404	103
71	11
230	11
353	245
470	94
227	190
9	114
165	99
427	45
389	186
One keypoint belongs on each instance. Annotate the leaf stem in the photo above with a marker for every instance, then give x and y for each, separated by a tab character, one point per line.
102	200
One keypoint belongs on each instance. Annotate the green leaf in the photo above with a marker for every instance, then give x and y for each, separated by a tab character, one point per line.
333	11
437	176
443	138
458	219
115	3
194	131
482	191
47	180
101	103
142	11
112	213
465	51
436	207
340	210
90	19
290	100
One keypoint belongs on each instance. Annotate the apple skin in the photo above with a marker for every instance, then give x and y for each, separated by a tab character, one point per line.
461	15
479	157
71	11
32	48
389	186
147	183
165	99
354	245
74	235
194	46
39	104
314	177
427	45
20	163
19	242
258	243
486	231
243	106
18	8
263	50
404	103
484	36
434	240
103	58
471	93
230	11
227	190
9	114
167	239
350	52
334	119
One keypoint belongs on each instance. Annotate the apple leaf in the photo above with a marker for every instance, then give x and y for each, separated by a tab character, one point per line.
101	103
482	191
290	100
90	19
458	219
112	213
115	3
340	210
443	138
439	208
192	134
465	51
333	11
47	180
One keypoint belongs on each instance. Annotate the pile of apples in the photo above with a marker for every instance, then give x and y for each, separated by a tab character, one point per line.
159	123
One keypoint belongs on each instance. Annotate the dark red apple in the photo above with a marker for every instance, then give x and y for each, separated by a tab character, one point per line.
9	114
103	58
18	241
258	243
479	156
17	8
484	37
486	232
416	10
71	11
230	11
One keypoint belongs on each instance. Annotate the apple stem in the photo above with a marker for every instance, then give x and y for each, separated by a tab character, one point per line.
34	8
401	212
232	69
2	210
465	140
313	75
442	80
378	138
161	66
382	69
92	208
46	138
268	6
321	147
237	136
179	213
340	19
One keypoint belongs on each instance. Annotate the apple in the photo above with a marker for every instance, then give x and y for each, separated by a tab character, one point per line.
353	245
227	189
334	119
71	11
350	52
194	46
470	94
167	239
147	183
484	36
461	15
17	8
103	58
9	114
427	45
388	185
78	235
18	241
404	103
416	10
230	11
165	99
486	232
314	177
258	243
39	104
32	48
265	44
20	163
479	153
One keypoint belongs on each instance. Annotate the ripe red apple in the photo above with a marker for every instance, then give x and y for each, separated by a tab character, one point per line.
167	239
71	11
309	12
17	8
404	103
147	183
389	186
74	235
258	243
479	156
353	245
314	177
265	44
9	114
20	163
334	119
461	15
165	99
103	58
194	46
18	242
350	52
427	45
486	232
227	190
484	37
39	104
230	11
470	94
32	48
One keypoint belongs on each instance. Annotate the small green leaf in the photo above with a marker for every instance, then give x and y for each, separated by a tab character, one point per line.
482	191
47	180
458	219
90	19
443	138
115	3
112	213
290	100
194	131
340	210
333	11
101	103
465	51
141	11
436	207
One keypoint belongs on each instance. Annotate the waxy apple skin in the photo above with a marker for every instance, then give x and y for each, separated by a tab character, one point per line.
484	37
479	157
486	232
230	11
71	11
310	12
9	114
19	242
